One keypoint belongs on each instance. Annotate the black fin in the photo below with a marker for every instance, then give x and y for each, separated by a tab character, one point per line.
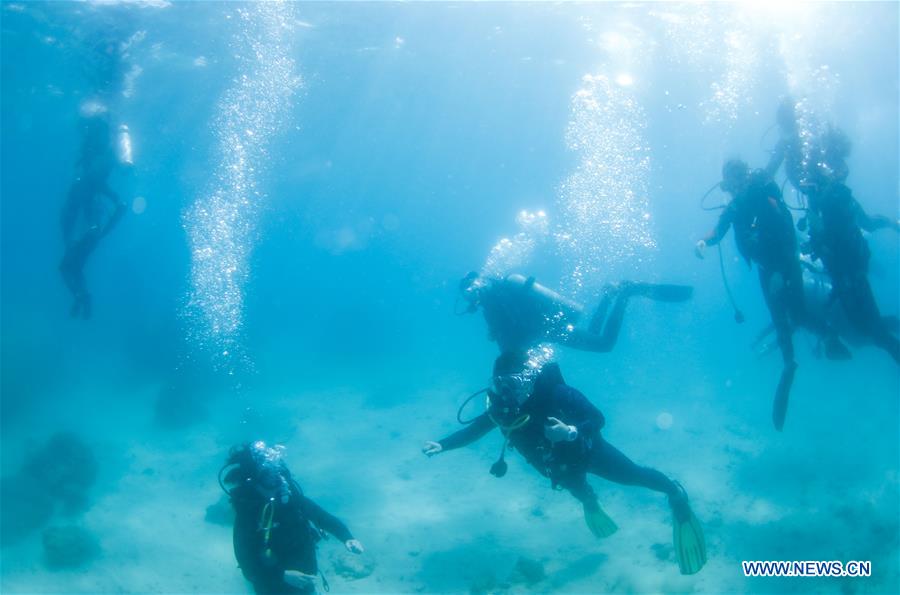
779	407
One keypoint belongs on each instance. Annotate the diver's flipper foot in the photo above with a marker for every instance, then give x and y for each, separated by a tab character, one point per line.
690	545
599	522
662	292
779	407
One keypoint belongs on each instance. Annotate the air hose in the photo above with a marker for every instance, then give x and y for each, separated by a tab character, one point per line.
738	315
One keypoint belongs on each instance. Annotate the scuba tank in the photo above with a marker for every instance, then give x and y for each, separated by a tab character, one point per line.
124	150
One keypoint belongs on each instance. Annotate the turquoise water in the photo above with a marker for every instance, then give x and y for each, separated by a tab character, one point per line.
309	183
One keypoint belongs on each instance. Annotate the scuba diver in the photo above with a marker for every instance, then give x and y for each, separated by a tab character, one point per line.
557	430
764	233
276	527
521	313
815	160
821	305
836	221
91	210
818	169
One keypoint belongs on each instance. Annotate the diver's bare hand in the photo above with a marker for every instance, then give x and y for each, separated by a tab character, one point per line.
432	448
299	580
354	546
557	431
700	248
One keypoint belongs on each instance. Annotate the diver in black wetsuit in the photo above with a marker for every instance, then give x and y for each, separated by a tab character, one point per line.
764	232
521	313
91	209
276	527
818	169
818	293
557	430
836	221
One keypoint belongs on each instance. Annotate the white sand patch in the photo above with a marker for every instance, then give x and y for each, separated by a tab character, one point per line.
446	525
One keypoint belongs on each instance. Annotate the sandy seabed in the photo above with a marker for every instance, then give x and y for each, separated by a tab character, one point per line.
826	488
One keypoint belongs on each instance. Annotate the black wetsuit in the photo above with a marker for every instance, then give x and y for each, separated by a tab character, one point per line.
91	202
836	221
764	233
565	463
518	318
292	542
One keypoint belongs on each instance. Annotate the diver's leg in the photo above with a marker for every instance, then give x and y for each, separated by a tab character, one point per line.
778	309
582	490
584	340
74	202
859	302
113	220
795	300
600	337
72	269
875	323
597	320
611	464
606	340
68	272
596	519
889	343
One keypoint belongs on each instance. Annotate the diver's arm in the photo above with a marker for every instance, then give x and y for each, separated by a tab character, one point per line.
546	295
324	520
776	159
724	224
471	433
586	418
772	190
872	223
715	236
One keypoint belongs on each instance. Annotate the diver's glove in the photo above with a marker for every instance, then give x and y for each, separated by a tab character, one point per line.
700	248
304	582
354	546
432	448
557	431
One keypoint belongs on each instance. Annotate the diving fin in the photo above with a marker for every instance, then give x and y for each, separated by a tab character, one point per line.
687	535
599	522
690	546
662	292
782	393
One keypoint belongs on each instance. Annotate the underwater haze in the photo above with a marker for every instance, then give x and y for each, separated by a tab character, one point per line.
302	186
